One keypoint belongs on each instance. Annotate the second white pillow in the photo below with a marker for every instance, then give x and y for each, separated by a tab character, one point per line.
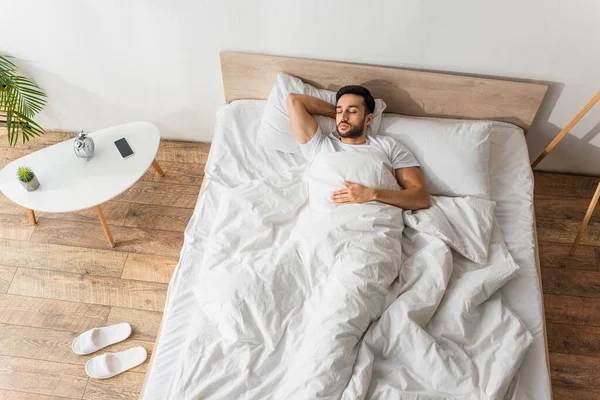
454	154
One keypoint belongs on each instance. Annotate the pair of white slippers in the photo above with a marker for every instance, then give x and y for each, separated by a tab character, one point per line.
108	364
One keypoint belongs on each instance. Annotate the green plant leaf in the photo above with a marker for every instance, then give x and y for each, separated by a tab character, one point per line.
21	99
31	101
11	124
25	174
6	65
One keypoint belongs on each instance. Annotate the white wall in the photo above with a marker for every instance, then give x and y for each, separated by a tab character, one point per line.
107	62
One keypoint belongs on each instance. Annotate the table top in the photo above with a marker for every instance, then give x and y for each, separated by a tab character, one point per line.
69	183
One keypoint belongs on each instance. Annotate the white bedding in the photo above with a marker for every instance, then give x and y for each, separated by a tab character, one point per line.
181	368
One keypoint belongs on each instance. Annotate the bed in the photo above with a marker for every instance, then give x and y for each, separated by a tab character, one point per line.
235	159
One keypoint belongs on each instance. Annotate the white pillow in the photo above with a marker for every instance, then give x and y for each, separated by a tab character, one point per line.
275	131
454	154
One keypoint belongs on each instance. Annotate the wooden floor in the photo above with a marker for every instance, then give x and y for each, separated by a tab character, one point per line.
571	284
59	278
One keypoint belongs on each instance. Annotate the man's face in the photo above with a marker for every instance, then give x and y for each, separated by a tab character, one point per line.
350	119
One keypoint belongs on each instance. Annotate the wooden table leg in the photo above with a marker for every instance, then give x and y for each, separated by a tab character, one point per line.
111	241
31	214
157	167
586	219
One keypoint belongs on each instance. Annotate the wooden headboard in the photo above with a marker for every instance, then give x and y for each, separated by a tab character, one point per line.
408	92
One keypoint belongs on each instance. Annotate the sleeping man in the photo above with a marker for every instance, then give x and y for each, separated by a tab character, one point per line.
350	257
353	114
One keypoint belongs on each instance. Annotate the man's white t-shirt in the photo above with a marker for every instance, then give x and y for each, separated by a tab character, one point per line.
395	152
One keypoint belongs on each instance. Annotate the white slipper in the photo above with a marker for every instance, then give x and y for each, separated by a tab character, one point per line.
110	364
98	338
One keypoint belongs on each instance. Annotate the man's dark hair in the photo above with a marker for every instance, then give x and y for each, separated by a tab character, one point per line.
359	91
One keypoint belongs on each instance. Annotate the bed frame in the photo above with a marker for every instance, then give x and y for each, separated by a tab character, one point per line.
408	92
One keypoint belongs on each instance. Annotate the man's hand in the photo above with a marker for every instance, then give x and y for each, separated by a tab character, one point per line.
356	193
414	196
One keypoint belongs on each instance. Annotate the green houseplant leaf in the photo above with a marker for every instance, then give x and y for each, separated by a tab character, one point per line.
25	174
20	100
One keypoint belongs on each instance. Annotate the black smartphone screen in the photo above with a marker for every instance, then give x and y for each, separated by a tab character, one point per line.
123	147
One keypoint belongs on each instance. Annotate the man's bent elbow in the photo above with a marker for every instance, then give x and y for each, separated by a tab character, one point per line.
292	98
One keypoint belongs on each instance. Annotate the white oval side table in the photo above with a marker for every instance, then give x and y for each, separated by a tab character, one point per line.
69	183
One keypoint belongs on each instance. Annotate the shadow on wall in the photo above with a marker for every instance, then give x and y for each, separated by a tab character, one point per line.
571	150
79	108
178	124
401	96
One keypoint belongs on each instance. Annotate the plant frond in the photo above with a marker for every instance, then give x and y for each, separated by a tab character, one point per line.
21	99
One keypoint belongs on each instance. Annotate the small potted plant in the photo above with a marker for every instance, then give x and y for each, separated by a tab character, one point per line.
28	178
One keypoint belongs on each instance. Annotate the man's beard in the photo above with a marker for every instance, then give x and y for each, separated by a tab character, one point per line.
353	133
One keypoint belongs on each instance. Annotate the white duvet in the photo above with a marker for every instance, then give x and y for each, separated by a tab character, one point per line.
301	299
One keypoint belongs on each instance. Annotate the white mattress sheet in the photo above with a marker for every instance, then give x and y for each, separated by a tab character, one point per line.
234	158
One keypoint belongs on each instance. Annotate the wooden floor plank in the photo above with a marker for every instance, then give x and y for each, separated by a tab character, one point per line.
37	343
183	152
574	393
114	213
158	217
565	185
161	194
124	386
43	377
89	289
12	153
575	370
571	310
571	282
148	175
563	231
134	240
12	395
573	339
177	172
53	345
9	207
558	208
144	324
53	314
556	255
6	275
61	258
596	252
4	161
150	268
15	227
39	142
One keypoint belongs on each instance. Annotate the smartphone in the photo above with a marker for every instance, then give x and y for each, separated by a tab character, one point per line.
123	148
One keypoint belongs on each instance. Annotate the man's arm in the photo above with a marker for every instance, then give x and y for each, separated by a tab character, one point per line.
415	195
300	109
